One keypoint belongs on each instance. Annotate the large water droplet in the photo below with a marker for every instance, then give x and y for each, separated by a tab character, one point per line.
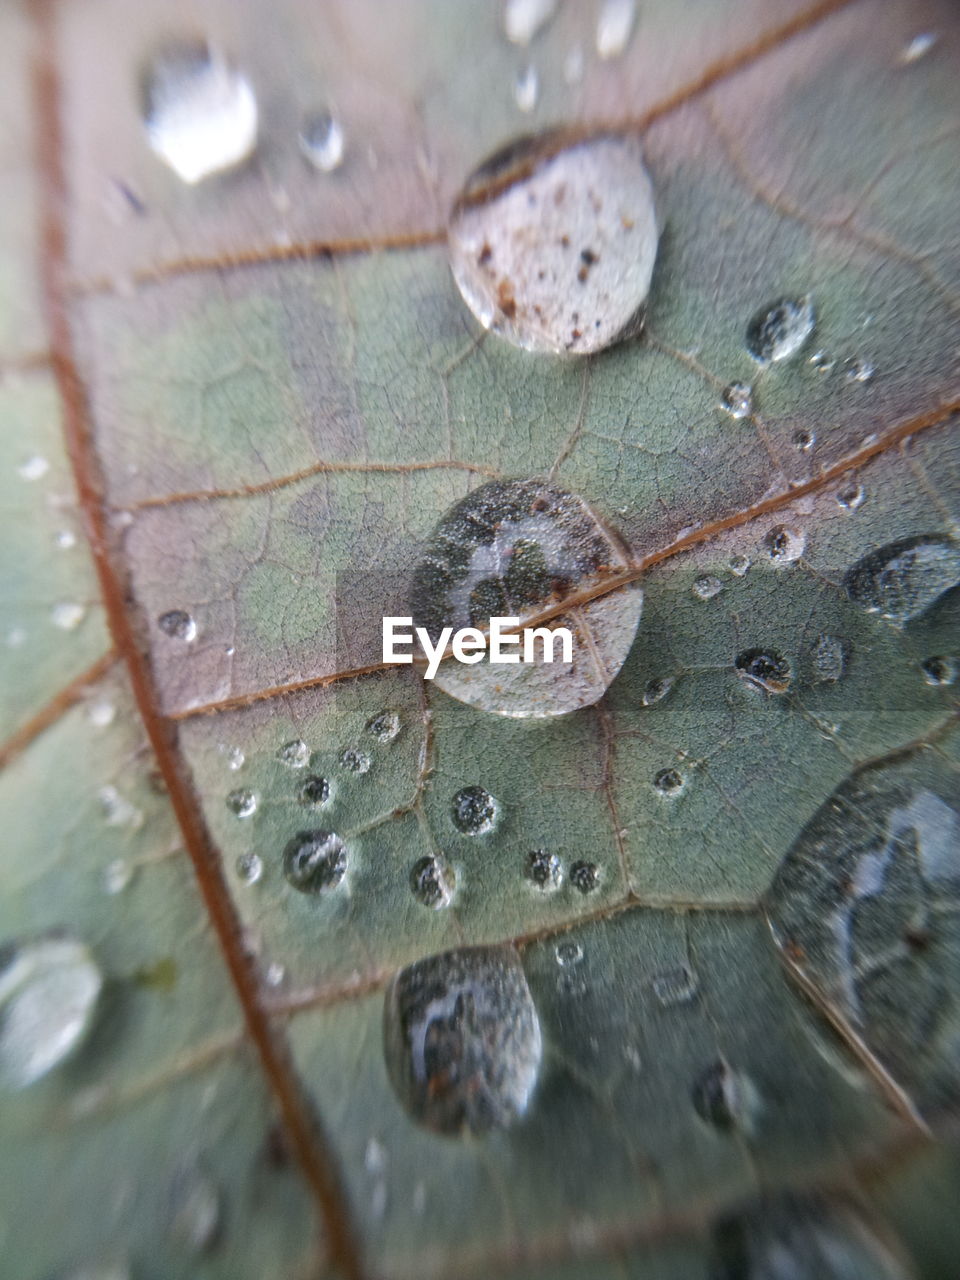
766	668
784	544
200	113
432	881
779	329
474	811
178	624
321	140
553	245
49	987
903	579
939	670
314	792
295	754
707	586
544	869
462	1040
315	861
615	26
516	548
522	19
584	876
668	782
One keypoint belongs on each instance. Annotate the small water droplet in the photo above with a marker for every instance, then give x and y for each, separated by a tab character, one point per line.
16	637
474	811
274	974
233	755
804	440
584	876
101	713
295	754
669	782
544	869
249	867
49	988
918	47
725	1098
432	881
384	726
739	565
940	670
785	545
315	861
178	624
707	586
615	23
779	329
552	243
830	656
462	1040
856	370
355	761
526	89
765	668
568	953
574	65
34	468
522	19
822	362
675	986
242	802
67	616
200	113
118	810
901	580
321	141
66	539
850	496
737	399
195	1209
657	690
314	792
117	876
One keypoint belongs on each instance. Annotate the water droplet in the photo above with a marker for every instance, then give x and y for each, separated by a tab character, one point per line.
101	713
295	754
384	726
857	370
785	545
669	782
355	761
432	881
314	861
941	670
242	802
49	987
765	668
779	329
178	625
516	548
822	362
274	974
544	869
675	986
118	810
737	399
462	1040
195	1209
903	579
526	89
34	468
233	755
584	876
850	496
249	868
568	953
615	23
918	47
67	616
725	1098
552	246
117	876
707	586
522	19
474	811
656	690
200	114
829	659
739	565
314	792
804	440
66	539
321	140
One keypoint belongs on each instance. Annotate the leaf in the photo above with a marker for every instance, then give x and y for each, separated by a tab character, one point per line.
743	960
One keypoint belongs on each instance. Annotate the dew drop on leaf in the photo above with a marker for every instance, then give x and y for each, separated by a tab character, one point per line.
462	1040
707	586
902	579
830	656
674	986
321	141
804	440
249	868
196	1211
314	861
584	876
739	566
526	89
784	545
668	782
233	755
856	370
516	548
67	615
522	19
766	668
568	953
614	27
49	988
117	876
178	624
295	754
544	869
384	726
939	670
314	791
200	113
725	1098
355	761
432	882
552	242
779	329
918	47
242	802
737	399
850	496
474	811
657	690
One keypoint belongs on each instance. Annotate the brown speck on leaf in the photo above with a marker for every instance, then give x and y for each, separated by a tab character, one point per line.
565	242
505	299
626	223
582	274
486	253
575	334
560	194
588	257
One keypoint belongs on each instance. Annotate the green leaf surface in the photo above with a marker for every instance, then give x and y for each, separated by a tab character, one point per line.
268	392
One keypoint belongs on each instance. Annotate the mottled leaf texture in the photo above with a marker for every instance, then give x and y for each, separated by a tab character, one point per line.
308	969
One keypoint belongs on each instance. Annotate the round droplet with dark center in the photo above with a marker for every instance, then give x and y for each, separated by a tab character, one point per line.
178	624
737	399
462	1040
544	869
522	548
584	876
315	861
850	496
657	690
804	440
901	580
725	1098
939	670
314	791
553	241
766	668
474	811
432	882
242	802
784	545
779	329
669	782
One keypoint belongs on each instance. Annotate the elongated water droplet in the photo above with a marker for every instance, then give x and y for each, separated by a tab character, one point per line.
518	548
526	89
725	1098
903	579
779	329
321	141
918	47
49	988
200	114
315	861
544	869
522	19
384	726
432	881
940	670
462	1040
707	586
657	690
178	624
857	370
615	26
552	242
829	659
